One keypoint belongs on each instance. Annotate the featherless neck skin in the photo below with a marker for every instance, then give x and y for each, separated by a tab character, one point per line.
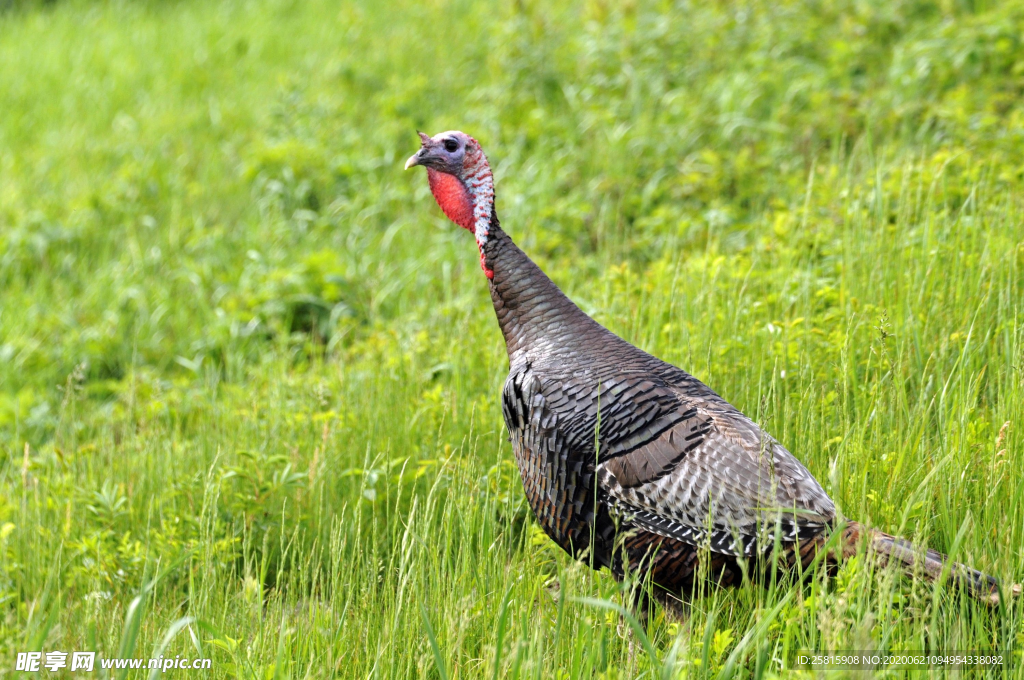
467	200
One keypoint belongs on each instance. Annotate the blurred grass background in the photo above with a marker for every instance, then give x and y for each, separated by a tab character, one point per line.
249	373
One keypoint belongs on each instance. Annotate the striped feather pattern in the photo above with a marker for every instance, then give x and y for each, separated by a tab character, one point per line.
630	462
612	442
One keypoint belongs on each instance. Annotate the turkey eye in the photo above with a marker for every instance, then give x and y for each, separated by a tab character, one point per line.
451	146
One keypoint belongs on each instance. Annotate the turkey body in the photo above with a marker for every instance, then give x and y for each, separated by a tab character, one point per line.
630	460
627	461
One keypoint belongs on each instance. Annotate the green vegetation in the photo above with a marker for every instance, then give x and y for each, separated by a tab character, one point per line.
250	375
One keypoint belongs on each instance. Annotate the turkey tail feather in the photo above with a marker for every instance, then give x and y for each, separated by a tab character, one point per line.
931	563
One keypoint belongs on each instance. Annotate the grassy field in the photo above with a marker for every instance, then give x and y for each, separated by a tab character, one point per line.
249	374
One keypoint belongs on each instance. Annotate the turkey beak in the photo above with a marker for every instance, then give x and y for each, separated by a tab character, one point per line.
418	157
415	159
425	156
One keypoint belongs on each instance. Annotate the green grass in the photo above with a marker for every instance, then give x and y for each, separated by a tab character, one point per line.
249	374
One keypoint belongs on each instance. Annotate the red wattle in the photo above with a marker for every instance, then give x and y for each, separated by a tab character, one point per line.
457	203
453	197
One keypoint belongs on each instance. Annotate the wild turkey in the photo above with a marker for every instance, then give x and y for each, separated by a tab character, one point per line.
626	459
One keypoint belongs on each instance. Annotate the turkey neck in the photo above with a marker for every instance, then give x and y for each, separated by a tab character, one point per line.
535	317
